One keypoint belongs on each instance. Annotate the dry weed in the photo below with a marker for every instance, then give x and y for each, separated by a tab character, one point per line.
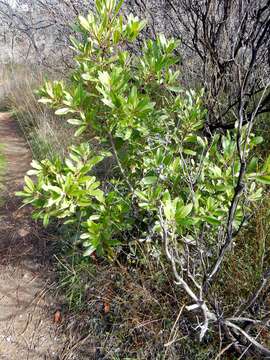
45	133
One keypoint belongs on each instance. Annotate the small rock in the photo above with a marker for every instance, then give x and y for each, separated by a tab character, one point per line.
9	339
23	232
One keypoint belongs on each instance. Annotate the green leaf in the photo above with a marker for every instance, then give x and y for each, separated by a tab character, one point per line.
266	166
85	236
76	122
94	217
263	179
149	180
32	172
141	195
70	164
257	140
169	208
95	160
46	220
45	101
118	7
63	111
166	196
84	23
104	78
89	251
253	164
36	165
29	183
189	152
23	194
80	130
176	89
212	220
191	139
201	141
98	194
183	211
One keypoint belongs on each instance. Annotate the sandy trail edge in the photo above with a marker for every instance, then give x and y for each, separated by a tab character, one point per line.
26	329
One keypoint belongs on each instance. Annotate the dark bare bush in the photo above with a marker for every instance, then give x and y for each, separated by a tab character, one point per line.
39	31
225	49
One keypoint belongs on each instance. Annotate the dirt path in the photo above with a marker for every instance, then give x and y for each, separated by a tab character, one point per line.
26	329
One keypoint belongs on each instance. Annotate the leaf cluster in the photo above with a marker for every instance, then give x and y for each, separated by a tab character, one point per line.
134	107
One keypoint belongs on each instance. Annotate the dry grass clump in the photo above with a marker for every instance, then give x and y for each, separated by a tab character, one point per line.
42	129
124	317
249	259
125	311
243	271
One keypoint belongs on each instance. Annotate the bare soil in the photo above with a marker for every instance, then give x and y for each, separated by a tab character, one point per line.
27	330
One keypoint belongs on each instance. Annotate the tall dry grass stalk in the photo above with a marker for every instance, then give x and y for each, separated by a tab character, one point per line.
46	134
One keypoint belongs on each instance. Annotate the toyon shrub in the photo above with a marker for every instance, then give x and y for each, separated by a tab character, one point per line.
143	169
